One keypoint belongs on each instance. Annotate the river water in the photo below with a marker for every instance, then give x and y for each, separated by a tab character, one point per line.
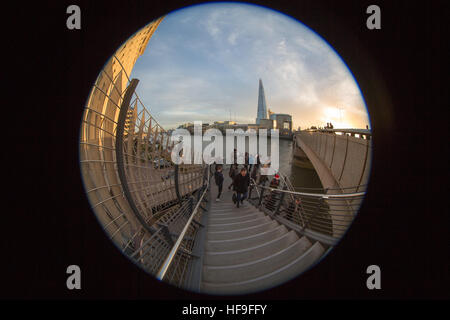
301	178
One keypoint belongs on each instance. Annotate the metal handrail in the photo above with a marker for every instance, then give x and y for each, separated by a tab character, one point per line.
144	221
135	93
317	195
253	183
347	130
291	189
167	262
321	216
295	188
329	189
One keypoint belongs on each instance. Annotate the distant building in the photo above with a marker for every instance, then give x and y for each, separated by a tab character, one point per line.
223	125
262	105
242	126
282	122
189	126
186	125
266	124
264	120
270	120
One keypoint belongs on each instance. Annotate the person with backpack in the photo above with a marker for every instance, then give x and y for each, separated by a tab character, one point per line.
241	183
275	181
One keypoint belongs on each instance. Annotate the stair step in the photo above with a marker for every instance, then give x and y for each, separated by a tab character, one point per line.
250	253
240	218
234	211
240	233
256	268
227	204
250	241
269	280
238	225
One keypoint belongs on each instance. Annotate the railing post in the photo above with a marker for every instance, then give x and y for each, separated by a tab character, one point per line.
177	185
191	205
166	234
206	174
120	155
200	192
319	205
281	200
261	197
167	262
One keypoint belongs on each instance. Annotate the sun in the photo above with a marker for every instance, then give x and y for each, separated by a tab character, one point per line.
336	116
332	113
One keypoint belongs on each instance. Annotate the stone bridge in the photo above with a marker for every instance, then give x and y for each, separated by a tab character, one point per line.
341	157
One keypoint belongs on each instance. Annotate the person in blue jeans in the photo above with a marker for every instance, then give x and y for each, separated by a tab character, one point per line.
240	184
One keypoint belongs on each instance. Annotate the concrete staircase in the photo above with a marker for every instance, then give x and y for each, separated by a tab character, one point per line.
247	251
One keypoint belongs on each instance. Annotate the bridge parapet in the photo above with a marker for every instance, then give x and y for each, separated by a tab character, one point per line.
342	158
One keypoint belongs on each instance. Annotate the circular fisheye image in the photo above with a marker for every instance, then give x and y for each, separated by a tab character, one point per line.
225	148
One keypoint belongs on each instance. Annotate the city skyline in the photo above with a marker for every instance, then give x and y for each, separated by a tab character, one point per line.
204	63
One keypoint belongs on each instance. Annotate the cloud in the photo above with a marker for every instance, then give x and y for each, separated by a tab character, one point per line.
232	38
204	62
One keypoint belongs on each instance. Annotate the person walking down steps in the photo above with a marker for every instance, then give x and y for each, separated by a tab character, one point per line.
218	177
240	184
232	173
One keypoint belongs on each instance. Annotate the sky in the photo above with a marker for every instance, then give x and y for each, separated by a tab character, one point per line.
203	63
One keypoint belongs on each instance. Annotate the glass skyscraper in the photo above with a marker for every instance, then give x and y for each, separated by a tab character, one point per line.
262	105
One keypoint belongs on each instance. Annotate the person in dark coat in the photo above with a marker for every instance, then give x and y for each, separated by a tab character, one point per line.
234	156
254	171
246	160
253	178
240	184
218	177
232	174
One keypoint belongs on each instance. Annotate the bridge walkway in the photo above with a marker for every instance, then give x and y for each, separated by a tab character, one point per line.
246	250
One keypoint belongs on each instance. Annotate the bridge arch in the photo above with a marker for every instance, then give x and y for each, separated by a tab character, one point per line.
341	157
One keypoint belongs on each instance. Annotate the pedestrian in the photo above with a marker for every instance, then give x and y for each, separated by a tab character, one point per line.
246	160
263	179
232	174
253	161
240	184
253	178
218	177
254	174
275	181
273	196
234	156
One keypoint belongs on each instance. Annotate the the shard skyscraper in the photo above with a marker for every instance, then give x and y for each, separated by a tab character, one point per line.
262	106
